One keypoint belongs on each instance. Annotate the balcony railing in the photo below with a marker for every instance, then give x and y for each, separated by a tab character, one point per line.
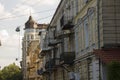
42	71
44	51
67	58
53	42
63	34
52	64
66	22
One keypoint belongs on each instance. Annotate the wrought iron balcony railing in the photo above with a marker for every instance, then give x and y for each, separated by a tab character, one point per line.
52	64
53	42
66	22
44	51
63	34
67	58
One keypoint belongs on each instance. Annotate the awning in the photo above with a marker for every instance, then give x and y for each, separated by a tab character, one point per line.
108	55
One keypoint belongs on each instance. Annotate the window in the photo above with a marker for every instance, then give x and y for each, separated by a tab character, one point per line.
92	24
66	45
86	31
76	41
32	37
27	37
62	21
76	7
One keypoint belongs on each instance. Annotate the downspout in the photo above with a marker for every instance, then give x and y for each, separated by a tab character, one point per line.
98	28
63	55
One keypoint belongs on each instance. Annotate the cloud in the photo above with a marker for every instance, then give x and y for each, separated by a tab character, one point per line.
23	9
41	2
10	41
10	49
4	35
3	12
49	2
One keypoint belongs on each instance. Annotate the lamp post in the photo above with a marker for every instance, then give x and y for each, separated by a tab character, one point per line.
18	30
0	43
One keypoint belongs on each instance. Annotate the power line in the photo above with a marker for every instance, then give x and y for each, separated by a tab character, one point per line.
21	5
16	6
26	14
38	19
44	17
25	9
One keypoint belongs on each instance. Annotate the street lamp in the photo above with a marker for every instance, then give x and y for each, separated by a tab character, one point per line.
18	30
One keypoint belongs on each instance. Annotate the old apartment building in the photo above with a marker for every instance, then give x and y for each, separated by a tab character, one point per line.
30	50
81	39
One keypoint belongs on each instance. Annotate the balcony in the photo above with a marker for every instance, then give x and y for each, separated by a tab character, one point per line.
53	42
52	64
67	58
41	71
44	51
63	34
66	22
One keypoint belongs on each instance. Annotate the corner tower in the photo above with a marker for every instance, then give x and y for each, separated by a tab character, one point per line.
30	34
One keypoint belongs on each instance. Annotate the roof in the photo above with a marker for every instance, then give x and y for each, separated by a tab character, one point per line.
108	55
30	24
42	26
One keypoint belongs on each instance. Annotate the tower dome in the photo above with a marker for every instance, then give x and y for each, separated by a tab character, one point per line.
30	23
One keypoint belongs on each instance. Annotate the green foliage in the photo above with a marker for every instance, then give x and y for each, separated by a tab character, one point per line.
113	71
11	72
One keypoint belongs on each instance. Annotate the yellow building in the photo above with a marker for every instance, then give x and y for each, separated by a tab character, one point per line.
30	60
33	61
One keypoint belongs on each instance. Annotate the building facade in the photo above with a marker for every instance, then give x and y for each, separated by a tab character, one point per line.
60	50
81	39
29	48
96	30
81	36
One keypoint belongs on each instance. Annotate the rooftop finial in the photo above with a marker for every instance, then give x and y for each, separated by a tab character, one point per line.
30	11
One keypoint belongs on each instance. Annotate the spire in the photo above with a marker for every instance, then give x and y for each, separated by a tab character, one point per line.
30	23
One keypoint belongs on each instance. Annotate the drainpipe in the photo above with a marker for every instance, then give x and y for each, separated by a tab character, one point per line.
98	28
63	55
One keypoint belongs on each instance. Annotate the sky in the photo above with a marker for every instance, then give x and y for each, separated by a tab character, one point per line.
13	14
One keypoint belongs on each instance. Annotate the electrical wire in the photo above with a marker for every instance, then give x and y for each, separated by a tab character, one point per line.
33	5
16	7
23	9
44	17
26	14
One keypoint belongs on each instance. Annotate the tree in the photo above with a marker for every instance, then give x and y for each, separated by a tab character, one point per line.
11	72
1	77
113	71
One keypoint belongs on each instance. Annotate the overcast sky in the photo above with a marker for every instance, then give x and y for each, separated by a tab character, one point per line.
15	13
